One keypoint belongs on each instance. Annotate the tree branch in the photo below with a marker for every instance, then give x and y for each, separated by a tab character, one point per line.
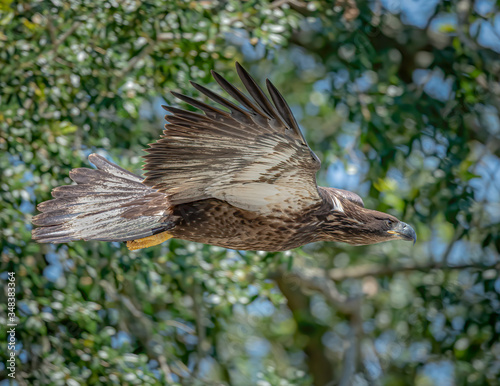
360	271
318	363
459	233
296	3
200	328
50	27
463	13
64	36
141	326
350	358
146	50
293	285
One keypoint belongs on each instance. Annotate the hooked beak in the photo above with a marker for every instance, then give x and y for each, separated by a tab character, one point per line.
404	231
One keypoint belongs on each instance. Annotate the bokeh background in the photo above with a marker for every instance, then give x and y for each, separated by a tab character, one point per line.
399	98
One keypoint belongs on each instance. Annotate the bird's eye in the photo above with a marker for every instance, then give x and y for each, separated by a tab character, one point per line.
388	223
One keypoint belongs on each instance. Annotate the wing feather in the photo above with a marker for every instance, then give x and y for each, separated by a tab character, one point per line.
210	111
184	114
253	156
237	94
236	110
257	93
284	109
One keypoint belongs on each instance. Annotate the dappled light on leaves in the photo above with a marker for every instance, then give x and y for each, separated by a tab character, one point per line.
400	100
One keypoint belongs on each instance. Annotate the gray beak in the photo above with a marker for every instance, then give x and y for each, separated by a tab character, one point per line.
404	231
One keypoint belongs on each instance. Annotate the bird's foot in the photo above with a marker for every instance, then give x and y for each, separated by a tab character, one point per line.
149	241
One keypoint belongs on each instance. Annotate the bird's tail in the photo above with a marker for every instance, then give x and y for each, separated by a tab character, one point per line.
107	204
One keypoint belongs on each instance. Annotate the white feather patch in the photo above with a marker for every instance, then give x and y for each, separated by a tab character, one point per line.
337	206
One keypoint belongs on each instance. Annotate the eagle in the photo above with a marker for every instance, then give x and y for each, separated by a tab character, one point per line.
242	177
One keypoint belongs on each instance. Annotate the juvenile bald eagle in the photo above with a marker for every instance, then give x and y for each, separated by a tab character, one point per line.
241	179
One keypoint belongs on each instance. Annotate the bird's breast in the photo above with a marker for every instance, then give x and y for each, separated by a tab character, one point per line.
218	223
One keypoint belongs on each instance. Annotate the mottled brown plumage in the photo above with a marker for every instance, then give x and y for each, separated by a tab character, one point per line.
244	178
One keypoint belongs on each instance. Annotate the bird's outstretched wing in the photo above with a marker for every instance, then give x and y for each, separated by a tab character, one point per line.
253	157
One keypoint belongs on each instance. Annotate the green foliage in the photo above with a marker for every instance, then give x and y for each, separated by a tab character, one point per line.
81	76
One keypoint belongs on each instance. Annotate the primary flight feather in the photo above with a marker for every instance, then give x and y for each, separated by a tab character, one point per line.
243	179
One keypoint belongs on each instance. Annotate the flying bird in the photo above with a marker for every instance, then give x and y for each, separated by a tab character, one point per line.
242	178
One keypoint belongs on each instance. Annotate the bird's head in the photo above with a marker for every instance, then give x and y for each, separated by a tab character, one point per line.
348	221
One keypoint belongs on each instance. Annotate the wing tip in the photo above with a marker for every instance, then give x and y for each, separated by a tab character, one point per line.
242	73
175	94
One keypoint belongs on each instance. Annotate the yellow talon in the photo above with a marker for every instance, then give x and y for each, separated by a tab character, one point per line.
149	241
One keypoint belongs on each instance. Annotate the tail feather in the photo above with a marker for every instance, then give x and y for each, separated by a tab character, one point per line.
75	204
107	204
